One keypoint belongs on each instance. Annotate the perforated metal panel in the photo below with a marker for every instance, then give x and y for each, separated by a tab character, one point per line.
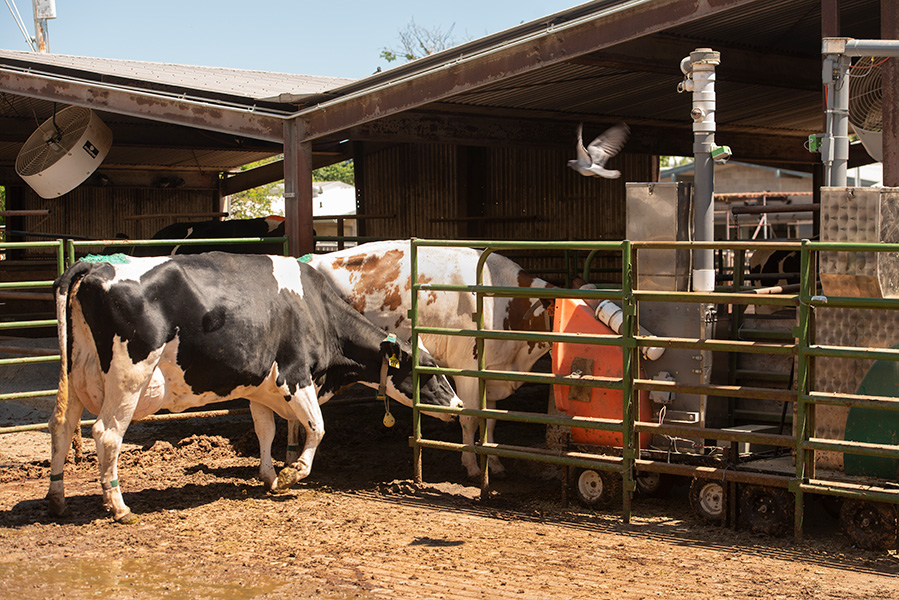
853	215
867	215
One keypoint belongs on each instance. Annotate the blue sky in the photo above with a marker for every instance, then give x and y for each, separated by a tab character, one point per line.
340	39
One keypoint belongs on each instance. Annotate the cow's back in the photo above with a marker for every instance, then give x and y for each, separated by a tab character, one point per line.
375	278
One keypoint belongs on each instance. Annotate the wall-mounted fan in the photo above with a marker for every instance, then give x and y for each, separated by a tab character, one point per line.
865	97
63	151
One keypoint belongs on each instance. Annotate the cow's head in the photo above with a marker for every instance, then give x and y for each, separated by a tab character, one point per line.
435	389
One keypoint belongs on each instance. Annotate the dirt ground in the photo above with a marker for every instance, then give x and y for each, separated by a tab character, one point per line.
359	528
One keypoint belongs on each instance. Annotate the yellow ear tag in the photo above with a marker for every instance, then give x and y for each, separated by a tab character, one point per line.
393	361
389	421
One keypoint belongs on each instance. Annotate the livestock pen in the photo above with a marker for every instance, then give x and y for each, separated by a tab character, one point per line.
868	512
717	454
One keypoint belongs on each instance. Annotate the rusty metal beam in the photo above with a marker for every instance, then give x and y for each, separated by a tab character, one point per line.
147	133
146	105
555	43
653	54
545	130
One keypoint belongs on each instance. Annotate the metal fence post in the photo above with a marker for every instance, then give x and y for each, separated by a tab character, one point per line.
807	281
482	366
416	410
629	449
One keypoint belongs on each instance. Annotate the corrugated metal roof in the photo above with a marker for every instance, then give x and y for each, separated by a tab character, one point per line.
258	85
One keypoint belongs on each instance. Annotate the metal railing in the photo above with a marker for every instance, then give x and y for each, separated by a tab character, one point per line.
624	461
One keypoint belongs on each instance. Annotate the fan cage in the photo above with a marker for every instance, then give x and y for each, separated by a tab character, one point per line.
38	154
866	94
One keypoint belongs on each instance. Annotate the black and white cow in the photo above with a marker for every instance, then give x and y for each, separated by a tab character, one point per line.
146	334
271	226
774	262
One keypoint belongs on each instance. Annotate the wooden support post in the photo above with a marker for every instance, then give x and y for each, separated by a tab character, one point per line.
297	188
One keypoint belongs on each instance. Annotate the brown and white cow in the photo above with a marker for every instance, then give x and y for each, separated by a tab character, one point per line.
375	279
145	334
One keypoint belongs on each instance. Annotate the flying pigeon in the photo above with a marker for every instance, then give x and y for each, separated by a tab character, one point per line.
591	160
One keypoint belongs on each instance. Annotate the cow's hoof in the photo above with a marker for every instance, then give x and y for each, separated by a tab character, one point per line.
58	508
129	518
286	478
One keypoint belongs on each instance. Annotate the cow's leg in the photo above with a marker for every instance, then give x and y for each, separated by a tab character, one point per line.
304	405
467	390
124	386
62	428
495	466
264	423
293	441
108	432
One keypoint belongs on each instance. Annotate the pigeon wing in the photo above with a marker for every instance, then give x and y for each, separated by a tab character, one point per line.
608	143
582	156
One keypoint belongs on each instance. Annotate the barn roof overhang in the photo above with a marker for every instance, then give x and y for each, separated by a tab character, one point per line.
599	62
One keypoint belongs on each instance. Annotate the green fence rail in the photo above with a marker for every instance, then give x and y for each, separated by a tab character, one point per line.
627	459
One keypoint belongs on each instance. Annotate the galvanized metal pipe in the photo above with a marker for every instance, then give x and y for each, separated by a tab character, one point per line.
699	68
835	76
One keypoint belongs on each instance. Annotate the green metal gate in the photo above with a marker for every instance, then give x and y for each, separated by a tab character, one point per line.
803	443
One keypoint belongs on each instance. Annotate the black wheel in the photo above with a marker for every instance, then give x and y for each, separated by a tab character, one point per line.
766	510
707	499
869	525
596	488
653	485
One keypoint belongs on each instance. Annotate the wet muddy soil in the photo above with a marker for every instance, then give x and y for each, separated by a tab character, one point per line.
359	528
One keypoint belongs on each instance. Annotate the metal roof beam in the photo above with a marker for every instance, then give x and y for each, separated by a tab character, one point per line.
146	105
543	131
557	42
658	54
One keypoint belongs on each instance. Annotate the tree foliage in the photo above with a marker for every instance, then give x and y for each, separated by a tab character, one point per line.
256	202
674	161
417	41
336	172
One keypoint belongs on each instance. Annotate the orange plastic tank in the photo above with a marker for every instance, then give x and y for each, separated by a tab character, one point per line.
574	316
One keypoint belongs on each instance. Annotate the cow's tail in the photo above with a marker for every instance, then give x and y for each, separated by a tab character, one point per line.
63	289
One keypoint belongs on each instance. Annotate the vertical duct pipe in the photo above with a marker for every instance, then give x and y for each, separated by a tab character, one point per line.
699	68
835	143
837	56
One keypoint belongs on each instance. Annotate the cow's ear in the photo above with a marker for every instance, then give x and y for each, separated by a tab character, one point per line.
390	351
